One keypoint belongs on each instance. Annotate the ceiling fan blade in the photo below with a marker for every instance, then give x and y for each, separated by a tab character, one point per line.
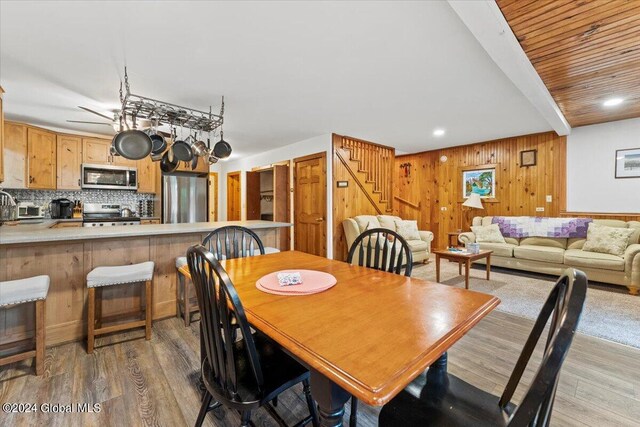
90	123
95	112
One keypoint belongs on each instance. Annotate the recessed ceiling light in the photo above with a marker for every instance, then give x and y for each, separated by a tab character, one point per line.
612	102
438	132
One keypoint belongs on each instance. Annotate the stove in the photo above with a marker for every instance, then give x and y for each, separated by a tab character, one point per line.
105	215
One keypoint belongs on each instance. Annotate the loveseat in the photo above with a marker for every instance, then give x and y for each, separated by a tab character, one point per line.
551	255
353	227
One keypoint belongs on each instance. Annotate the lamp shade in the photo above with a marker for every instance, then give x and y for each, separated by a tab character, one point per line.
473	201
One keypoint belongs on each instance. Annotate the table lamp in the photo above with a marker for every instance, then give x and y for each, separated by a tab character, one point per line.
472	202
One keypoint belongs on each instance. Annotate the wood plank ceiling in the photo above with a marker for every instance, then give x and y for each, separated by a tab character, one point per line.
585	51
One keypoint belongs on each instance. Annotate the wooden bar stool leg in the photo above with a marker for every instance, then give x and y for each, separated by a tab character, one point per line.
178	281
40	336
98	307
148	309
186	302
91	320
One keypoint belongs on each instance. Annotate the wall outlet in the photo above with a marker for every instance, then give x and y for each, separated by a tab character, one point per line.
539	209
549	198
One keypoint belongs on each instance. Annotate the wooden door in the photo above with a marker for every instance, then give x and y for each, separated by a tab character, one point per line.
310	204
15	155
147	175
213	196
234	208
253	195
68	162
41	148
96	151
281	202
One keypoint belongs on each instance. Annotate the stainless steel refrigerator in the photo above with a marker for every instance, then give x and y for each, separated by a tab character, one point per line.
184	198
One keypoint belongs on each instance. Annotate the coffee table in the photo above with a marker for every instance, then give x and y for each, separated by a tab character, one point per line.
462	258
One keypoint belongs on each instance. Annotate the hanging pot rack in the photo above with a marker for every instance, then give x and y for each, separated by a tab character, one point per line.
165	113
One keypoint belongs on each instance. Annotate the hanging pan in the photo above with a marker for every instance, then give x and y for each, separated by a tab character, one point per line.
132	144
182	150
168	163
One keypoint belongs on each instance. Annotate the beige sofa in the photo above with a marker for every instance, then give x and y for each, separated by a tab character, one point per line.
552	255
420	249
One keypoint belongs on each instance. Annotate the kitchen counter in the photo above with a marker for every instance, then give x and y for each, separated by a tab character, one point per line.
68	254
41	232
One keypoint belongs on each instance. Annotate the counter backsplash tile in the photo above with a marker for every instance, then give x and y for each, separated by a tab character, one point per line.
43	197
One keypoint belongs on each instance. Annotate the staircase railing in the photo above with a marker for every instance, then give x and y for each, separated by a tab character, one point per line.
376	163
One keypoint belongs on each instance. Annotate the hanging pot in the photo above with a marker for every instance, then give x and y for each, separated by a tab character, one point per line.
132	144
222	149
168	165
199	149
194	163
182	150
159	144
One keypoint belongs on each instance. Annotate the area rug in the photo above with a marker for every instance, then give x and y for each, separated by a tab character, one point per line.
608	314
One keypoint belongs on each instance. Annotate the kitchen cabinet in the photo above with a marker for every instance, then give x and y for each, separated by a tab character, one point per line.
69	160
97	151
1	136
15	155
149	221
147	171
41	164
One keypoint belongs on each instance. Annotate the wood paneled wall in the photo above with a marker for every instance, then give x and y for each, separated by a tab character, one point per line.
436	185
352	200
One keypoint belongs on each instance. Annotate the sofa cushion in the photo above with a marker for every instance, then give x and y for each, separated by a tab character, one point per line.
512	241
488	234
388	221
418	245
579	258
499	249
364	220
545	241
608	240
539	253
408	230
575	243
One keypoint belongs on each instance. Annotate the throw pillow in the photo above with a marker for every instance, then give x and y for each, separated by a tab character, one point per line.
408	230
607	240
488	233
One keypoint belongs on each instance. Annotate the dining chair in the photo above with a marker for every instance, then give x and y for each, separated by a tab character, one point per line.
231	241
243	374
380	249
446	400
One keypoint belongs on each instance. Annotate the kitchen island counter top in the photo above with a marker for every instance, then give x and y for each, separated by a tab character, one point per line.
41	232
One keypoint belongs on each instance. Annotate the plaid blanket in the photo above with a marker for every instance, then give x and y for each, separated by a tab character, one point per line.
530	226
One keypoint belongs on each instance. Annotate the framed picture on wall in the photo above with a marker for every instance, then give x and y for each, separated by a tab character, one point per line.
480	181
528	158
628	163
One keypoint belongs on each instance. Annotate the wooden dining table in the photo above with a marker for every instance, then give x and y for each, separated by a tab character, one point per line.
369	336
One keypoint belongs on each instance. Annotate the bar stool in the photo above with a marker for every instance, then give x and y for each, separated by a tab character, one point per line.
22	291
118	275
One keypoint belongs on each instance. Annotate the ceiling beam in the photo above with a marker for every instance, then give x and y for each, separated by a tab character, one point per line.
486	22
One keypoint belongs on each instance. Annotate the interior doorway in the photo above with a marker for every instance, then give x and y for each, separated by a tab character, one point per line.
267	197
310	204
234	205
213	196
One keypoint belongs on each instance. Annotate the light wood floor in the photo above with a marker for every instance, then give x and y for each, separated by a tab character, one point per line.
152	383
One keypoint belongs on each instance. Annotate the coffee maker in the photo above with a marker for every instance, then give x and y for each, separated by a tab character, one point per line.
61	209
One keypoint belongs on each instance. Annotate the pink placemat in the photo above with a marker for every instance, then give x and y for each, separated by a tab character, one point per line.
312	283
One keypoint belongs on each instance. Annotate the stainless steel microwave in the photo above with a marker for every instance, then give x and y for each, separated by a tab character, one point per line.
108	177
